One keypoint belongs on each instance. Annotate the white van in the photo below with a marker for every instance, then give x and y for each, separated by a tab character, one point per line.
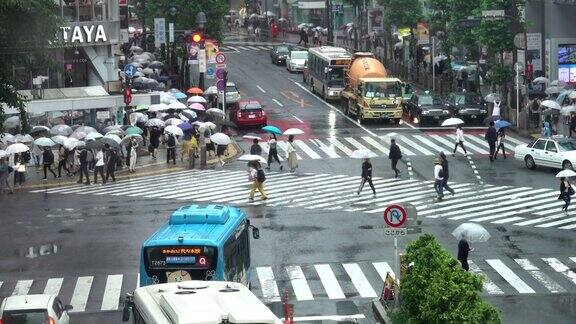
296	61
34	309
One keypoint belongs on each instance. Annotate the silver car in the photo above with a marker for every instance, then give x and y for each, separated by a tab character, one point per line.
232	93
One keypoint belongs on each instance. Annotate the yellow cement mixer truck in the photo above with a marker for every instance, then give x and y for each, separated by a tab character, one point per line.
370	94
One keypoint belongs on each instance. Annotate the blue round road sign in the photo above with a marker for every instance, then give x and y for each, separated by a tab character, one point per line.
210	71
129	70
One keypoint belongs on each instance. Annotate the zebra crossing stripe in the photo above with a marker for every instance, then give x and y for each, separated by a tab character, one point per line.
254	48
514	140
359	280
112	292
327	149
157	188
488	285
22	287
568	226
383	268
479	140
268	284
81	293
414	145
376	145
243	48
561	268
233	48
510	276
444	141
357	145
307	149
329	281
539	220
507	220
206	180
429	143
266	148
299	283
283	145
344	183
558	222
53	286
540	276
340	146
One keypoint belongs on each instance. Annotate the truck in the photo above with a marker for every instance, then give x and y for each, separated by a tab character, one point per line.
370	94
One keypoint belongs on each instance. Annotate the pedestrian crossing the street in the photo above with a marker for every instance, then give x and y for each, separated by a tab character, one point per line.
411	145
309	282
517	206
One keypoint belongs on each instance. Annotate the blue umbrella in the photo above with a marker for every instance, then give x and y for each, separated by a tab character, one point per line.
272	129
501	124
180	95
185	126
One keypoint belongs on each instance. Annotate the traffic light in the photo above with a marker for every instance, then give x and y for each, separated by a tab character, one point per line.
127	92
197	38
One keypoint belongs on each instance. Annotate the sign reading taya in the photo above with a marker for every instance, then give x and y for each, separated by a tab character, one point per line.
86	34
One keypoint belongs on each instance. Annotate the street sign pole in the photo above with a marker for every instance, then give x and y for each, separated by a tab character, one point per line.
224	94
395	217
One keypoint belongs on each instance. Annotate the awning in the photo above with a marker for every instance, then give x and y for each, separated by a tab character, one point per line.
311	4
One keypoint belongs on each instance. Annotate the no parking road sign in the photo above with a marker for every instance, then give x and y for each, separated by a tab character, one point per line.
220	58
395	216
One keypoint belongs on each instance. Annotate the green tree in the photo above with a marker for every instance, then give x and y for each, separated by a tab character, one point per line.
436	290
27	28
402	13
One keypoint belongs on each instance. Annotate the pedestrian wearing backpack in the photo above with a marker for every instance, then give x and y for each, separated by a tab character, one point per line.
171	148
83	157
438	178
258	184
47	160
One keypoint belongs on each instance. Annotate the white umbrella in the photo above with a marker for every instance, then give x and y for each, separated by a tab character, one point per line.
3	154
540	80
293	131
137	117
212	90
553	90
158	107
19	138
572	95
44	141
472	231
492	97
252	137
64	130
189	113
59	139
558	83
111	139
78	135
215	112
220	139
17	148
566	173
93	136
129	137
197	99
12	122
452	122
39	128
117	132
550	104
177	105
155	122
567	110
363	154
86	129
7	137
210	124
173	121
72	143
174	130
252	157
166	97
112	128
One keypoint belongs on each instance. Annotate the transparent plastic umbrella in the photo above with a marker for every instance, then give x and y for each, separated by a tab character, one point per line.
44	141
174	130
17	148
473	232
64	130
363	154
220	139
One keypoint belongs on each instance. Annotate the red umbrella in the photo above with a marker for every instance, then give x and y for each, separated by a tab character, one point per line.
195	91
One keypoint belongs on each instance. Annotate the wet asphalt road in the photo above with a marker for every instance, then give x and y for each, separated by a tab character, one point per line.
92	235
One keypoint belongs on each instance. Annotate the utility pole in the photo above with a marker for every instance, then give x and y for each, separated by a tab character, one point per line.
200	22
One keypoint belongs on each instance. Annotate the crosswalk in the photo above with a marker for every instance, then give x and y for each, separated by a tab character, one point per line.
410	144
517	206
245	48
309	282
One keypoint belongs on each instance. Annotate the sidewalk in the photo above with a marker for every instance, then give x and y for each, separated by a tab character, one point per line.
145	166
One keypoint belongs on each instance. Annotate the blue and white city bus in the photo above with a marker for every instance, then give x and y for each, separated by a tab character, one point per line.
199	242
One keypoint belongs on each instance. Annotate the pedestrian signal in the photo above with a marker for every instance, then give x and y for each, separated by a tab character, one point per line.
197	38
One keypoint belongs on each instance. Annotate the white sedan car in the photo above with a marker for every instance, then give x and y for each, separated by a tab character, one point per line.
555	152
34	309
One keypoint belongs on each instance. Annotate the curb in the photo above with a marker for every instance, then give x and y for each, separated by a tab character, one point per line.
380	312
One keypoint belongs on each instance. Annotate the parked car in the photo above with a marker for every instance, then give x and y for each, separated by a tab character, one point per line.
470	107
557	152
34	309
232	94
296	60
426	108
248	112
279	53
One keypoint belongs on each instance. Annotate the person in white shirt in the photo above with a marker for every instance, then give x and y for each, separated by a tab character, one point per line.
459	139
99	166
438	178
291	154
133	154
496	109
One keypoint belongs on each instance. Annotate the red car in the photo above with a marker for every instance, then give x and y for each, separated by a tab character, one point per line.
248	112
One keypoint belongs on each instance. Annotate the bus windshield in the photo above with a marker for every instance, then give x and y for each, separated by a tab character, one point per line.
383	90
177	263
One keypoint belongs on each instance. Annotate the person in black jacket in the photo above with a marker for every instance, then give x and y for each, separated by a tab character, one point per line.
565	193
155	134
463	250
491	137
84	166
445	172
366	176
111	159
47	160
255	149
394	156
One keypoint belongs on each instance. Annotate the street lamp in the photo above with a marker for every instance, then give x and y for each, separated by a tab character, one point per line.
200	20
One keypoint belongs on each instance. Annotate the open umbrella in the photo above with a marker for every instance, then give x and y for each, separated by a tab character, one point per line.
64	130
197	99
252	137
111	139
39	129
188	113
166	97
196	106
158	107
363	154
59	139
7	138
567	110
138	117
112	128
93	136
180	95
501	124
174	130
72	143
194	91
215	112
136	49
176	105
94	145
540	80
492	97
117	132
566	173
17	148
156	65
126	140
550	104
86	129
272	129
472	231
212	90
553	90
452	122
19	138
155	122
185	126
12	122
173	121
293	131
210	124
220	139
133	130
78	135
558	83
44	141
252	157
3	154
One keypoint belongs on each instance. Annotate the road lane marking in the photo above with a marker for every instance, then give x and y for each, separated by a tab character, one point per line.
278	102
558	222
561	268
539	220
414	145
283	145
488	285
112	292
376	145
540	276
340	146
53	286
81	293
329	281
359	280
233	48
268	284
266	148
260	88
357	145
510	276
298	119
299	283
243	48
138	281
383	268
327	149
409	168
254	48
22	287
333	184
307	149
431	144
